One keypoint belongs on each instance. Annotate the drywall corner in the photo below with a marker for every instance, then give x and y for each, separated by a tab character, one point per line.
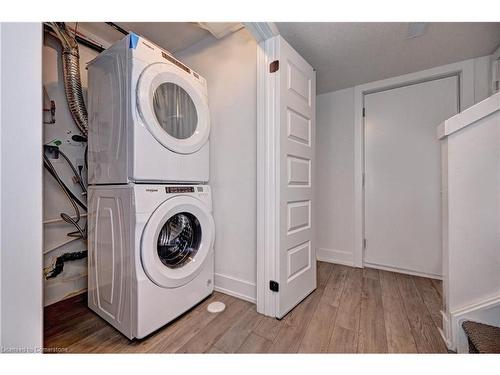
21	219
230	67
335	176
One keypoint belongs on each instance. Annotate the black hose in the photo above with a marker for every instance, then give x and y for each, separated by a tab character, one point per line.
77	175
62	185
80	233
81	139
85	158
116	27
50	168
66	257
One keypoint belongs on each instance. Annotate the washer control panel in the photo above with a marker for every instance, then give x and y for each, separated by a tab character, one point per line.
179	189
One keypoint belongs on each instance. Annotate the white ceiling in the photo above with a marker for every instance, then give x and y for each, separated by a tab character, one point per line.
172	36
343	54
348	54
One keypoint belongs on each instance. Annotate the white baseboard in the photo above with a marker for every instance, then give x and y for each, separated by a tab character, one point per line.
446	331
335	256
58	290
347	258
402	270
486	311
235	287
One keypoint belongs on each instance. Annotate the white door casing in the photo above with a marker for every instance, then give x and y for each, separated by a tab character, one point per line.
464	70
286	137
402	175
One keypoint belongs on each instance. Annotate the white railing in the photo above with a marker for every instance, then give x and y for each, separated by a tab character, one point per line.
471	216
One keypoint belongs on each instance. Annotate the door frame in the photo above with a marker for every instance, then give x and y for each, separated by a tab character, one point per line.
267	178
387	267
268	230
465	72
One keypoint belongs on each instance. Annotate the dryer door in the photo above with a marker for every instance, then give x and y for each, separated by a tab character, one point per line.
173	108
176	241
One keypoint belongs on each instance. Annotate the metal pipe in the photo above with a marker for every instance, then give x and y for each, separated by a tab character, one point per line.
81	39
71	75
88	43
117	28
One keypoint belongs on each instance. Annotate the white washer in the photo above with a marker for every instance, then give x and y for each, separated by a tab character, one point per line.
151	253
148	117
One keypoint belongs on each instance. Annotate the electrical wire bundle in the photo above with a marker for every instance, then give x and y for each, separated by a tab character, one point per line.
75	202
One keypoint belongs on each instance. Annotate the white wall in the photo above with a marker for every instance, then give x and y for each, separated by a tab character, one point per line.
229	66
335	158
482	78
21	186
335	176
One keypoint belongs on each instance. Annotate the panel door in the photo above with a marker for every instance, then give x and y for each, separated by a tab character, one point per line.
297	257
403	175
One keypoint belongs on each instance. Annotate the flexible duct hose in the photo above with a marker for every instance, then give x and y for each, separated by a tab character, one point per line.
71	75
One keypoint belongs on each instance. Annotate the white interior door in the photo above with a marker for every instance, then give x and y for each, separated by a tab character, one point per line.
403	175
296	93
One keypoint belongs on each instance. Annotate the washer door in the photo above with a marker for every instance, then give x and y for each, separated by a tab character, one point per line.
173	109
176	241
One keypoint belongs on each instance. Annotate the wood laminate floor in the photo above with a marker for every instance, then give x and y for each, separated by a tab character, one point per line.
353	310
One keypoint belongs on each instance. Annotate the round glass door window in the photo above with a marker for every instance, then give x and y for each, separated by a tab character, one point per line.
175	110
179	240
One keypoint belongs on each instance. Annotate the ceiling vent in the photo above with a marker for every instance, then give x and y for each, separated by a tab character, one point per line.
416	29
220	29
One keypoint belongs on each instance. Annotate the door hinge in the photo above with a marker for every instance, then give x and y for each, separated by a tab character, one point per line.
364	112
364	243
274	66
363	180
274	286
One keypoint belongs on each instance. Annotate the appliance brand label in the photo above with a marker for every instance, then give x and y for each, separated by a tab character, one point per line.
175	62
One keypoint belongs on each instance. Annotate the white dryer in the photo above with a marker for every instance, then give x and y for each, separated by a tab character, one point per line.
148	117
151	254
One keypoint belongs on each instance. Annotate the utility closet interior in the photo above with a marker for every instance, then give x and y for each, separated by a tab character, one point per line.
250	187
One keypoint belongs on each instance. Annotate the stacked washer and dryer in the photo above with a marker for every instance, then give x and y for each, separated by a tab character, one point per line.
151	230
